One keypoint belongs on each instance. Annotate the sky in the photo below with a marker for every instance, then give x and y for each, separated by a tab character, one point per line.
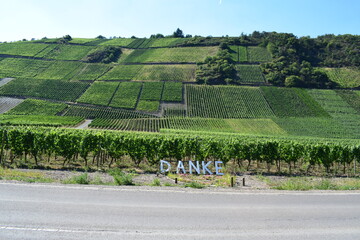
26	19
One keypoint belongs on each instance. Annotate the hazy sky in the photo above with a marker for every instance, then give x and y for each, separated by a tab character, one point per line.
89	18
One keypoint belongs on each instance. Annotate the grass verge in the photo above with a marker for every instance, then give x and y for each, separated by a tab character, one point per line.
312	183
31	177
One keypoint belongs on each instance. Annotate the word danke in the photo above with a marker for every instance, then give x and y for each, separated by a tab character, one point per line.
194	167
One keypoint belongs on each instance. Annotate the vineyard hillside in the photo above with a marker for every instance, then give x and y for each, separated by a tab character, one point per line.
152	85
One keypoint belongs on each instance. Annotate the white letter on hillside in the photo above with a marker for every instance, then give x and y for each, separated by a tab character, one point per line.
217	168
205	169
162	162
180	166
192	166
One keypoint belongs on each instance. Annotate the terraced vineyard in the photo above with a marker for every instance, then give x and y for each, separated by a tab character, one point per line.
127	95
171	55
92	112
37	107
21	48
34	120
245	126
175	72
285	102
48	89
151	87
100	93
250	74
345	77
226	102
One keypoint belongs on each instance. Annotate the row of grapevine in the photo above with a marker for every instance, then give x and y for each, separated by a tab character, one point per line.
238	53
59	70
48	89
250	74
99	93
22	68
37	107
345	77
144	43
127	95
338	108
182	73
226	102
286	103
66	52
75	147
315	127
245	126
250	54
39	120
102	112
21	48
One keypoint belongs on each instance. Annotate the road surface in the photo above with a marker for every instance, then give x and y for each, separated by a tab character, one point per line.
46	211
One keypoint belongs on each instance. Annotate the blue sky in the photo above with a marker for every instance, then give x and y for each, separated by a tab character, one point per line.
89	18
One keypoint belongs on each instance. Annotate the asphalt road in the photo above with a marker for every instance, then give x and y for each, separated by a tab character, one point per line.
40	211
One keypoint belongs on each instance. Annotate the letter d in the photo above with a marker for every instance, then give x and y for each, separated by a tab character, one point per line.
162	170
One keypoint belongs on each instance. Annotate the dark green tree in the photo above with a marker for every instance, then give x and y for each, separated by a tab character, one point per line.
178	33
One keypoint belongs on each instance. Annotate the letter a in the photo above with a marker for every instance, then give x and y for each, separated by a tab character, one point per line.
180	166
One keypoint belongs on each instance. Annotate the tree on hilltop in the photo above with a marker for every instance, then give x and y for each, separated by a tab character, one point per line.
178	33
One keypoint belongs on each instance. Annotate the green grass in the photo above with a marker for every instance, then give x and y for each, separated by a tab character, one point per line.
90	71
181	54
121	178
80	179
148	106
173	92
21	48
312	183
345	77
152	91
181	73
250	74
166	42
60	70
258	54
226	102
127	95
286	103
48	89
82	40
122	72
24	176
123	42
99	93
68	52
37	107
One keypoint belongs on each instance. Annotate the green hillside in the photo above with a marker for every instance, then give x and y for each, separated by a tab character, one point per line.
153	86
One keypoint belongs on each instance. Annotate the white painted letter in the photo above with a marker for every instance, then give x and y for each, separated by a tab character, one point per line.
205	169
162	162
180	166
217	168
191	166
